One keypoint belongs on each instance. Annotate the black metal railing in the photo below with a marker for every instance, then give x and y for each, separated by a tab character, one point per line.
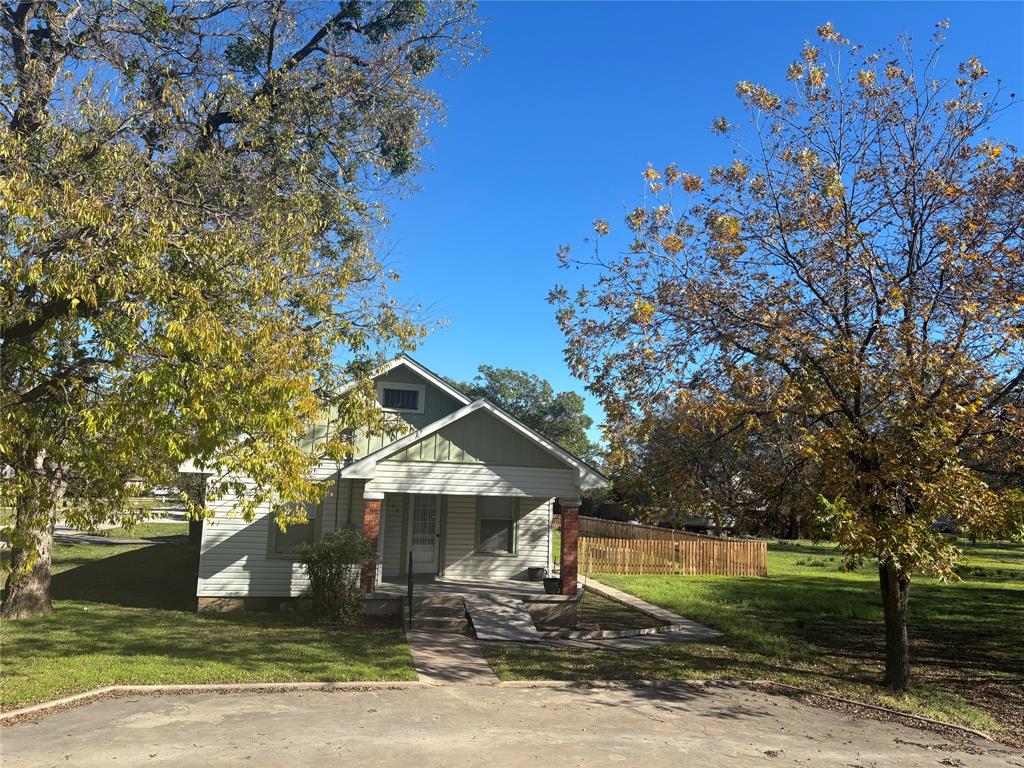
412	583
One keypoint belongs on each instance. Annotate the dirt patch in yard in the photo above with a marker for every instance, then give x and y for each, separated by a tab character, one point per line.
597	612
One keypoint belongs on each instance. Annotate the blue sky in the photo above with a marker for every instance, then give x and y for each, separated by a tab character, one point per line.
553	127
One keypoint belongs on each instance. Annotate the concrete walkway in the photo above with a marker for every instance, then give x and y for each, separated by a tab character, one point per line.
500	619
460	726
447	657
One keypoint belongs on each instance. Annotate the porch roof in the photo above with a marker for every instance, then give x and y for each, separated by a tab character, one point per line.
366	467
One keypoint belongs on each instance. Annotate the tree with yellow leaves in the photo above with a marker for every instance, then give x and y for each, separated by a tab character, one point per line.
850	286
189	194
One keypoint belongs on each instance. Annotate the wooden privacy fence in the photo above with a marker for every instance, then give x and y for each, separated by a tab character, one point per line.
692	556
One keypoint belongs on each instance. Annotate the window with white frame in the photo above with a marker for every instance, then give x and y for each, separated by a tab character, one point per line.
496	524
394	396
288	543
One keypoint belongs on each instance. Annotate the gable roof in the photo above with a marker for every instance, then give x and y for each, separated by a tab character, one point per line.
363	468
420	370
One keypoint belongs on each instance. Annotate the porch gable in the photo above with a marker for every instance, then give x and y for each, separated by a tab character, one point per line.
496	437
478	438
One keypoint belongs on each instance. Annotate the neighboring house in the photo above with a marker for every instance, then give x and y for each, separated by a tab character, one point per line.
467	490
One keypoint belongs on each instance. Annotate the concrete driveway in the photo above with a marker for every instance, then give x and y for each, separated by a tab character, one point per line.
474	725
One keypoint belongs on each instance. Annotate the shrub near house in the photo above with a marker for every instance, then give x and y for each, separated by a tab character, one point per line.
334	566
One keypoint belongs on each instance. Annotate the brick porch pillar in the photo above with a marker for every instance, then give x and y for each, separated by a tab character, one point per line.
371	532
570	540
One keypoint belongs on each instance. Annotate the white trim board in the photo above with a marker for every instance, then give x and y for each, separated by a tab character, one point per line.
474	480
419	389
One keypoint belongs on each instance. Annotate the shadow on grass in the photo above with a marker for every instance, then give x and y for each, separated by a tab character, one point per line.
811	598
128	617
963	630
813	625
243	641
670	662
154	576
167	538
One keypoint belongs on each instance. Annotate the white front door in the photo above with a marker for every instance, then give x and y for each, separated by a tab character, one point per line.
423	533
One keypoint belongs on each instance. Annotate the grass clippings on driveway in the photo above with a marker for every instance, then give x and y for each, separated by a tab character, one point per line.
812	625
126	615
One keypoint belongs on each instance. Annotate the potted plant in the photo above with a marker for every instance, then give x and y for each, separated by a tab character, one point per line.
552	584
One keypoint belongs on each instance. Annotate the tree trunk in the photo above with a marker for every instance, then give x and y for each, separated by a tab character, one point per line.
193	485
895	591
28	583
794	525
195	532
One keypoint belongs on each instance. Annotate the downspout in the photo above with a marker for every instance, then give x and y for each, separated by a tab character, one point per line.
337	497
443	525
348	516
349	459
551	519
380	540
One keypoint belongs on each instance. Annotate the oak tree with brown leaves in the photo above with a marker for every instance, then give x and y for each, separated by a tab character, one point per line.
852	279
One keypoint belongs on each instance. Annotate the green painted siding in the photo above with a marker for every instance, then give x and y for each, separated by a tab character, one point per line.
317	433
479	438
365	444
436	404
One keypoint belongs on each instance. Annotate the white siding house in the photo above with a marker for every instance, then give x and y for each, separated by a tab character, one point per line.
466	491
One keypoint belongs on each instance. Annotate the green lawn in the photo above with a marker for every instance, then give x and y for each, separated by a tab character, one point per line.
813	625
167	533
125	614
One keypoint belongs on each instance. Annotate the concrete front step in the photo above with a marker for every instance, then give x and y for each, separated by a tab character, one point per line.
445	613
435	601
439	612
450	624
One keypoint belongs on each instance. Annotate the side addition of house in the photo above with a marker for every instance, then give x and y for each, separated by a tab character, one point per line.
467	491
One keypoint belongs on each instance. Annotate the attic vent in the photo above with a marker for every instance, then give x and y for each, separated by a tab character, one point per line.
401	399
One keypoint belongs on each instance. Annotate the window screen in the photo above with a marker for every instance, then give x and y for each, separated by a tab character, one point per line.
402	399
497	524
289	542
